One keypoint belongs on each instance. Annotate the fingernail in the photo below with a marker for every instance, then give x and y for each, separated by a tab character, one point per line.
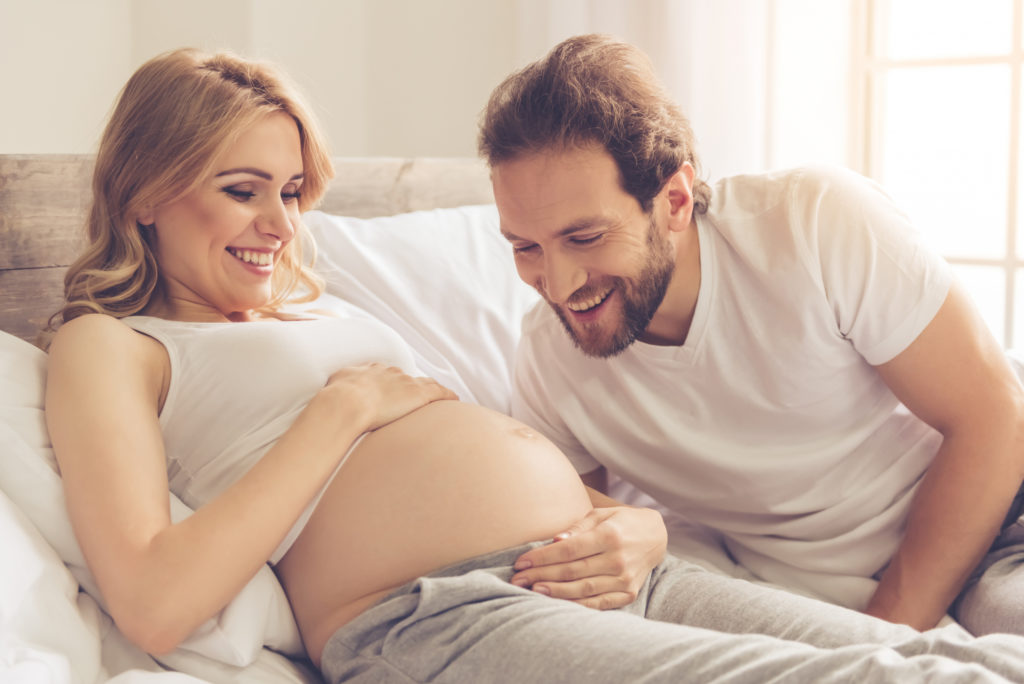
522	565
521	582
563	536
542	590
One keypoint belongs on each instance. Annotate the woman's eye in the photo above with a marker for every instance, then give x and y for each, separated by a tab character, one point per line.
293	196
240	195
523	249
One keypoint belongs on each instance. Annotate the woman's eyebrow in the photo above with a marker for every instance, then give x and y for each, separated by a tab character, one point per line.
256	172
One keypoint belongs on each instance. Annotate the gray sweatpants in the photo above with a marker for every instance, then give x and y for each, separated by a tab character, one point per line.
993	598
467	624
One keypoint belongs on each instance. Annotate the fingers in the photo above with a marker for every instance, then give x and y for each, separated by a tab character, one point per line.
581	568
431	389
441	391
611	564
592	519
386	393
601	561
583	539
374	371
602	592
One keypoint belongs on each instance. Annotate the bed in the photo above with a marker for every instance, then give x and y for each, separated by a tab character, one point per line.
412	242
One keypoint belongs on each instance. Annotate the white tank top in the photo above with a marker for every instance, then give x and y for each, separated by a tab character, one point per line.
235	388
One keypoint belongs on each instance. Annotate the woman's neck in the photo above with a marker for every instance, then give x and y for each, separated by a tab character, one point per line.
179	309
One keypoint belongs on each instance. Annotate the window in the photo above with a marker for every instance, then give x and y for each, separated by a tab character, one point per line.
942	121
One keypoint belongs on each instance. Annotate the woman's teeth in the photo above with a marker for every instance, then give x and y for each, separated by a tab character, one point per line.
251	257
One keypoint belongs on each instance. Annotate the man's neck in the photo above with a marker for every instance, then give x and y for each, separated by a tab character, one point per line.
671	323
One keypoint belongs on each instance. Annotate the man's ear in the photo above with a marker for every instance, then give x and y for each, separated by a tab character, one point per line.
679	192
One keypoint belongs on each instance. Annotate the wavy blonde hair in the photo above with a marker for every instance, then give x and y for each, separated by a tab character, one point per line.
176	114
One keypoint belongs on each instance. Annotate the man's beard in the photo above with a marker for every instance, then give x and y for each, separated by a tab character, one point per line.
640	297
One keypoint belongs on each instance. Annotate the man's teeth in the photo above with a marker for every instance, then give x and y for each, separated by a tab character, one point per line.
251	257
590	303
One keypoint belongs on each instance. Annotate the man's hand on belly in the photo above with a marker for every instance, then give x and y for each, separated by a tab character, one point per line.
601	562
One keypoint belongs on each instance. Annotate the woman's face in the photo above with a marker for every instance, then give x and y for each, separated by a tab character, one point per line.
217	246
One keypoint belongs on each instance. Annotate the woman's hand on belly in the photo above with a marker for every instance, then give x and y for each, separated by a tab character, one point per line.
385	393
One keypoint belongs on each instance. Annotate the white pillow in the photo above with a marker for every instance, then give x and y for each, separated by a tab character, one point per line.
444	279
258	616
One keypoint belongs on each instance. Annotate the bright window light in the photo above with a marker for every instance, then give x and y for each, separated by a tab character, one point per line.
943	120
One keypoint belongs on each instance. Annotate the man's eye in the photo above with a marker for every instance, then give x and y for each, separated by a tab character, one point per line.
585	240
523	249
240	195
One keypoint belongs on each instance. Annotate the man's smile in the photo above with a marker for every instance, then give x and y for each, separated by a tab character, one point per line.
585	305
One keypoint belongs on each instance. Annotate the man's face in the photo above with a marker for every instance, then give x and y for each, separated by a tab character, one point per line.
585	245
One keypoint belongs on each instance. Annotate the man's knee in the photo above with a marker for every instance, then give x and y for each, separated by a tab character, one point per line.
995	602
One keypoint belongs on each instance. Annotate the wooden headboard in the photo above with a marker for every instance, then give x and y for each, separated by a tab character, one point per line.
44	199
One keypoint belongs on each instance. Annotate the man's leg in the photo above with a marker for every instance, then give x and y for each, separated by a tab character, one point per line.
993	600
681	593
473	626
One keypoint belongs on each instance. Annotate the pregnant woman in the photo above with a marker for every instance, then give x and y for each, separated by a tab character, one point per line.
392	512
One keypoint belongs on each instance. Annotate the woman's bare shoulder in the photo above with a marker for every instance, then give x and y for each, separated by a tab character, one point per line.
91	324
92	330
103	340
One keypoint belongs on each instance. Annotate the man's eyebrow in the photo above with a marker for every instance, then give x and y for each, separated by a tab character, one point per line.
255	172
586	223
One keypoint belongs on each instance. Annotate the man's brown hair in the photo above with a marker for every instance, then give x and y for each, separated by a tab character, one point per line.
594	89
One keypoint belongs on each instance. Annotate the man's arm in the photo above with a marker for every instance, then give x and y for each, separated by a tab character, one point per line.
602	560
955	377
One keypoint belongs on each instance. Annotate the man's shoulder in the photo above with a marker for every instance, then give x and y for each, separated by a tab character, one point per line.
780	192
809	179
808	176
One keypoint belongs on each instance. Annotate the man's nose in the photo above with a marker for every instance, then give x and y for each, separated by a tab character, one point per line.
562	276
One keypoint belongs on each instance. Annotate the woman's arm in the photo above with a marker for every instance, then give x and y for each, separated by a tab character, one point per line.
162	580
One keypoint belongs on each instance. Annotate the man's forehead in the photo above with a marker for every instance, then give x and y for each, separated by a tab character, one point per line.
591	160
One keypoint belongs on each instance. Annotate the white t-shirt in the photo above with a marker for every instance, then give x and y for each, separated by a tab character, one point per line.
769	424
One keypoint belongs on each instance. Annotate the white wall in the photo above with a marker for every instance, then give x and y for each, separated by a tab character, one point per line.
387	77
61	64
765	82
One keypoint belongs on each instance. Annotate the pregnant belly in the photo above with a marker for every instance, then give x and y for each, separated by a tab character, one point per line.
447	482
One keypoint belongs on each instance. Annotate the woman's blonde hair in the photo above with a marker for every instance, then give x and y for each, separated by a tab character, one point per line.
176	114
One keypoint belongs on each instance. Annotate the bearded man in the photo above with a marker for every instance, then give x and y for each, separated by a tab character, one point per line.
780	357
